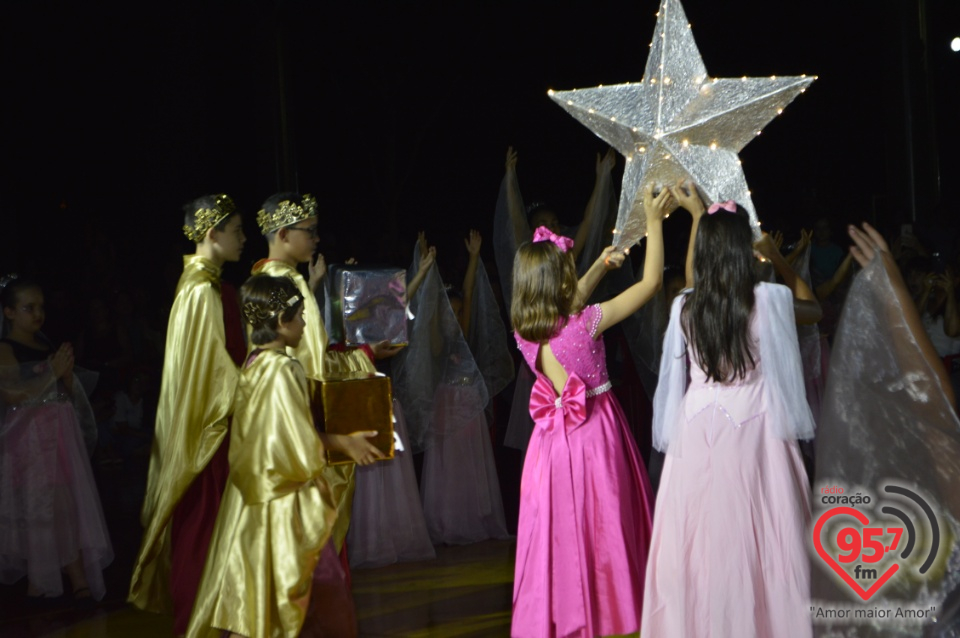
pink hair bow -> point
(545, 234)
(730, 206)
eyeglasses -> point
(312, 230)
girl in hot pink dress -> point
(729, 555)
(585, 499)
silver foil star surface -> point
(678, 123)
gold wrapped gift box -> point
(353, 405)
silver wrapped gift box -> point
(366, 305)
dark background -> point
(397, 117)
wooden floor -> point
(465, 591)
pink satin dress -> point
(585, 500)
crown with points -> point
(287, 213)
(257, 314)
(207, 218)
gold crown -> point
(207, 218)
(257, 314)
(287, 213)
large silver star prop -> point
(679, 123)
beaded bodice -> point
(575, 348)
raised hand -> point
(427, 259)
(867, 243)
(473, 243)
(612, 258)
(685, 192)
(657, 208)
(606, 164)
(317, 271)
(511, 163)
(767, 246)
(778, 239)
(422, 244)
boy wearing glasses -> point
(288, 221)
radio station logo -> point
(867, 543)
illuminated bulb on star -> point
(955, 44)
(713, 146)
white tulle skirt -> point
(387, 524)
(50, 513)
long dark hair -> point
(716, 317)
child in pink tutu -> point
(585, 500)
(50, 516)
(728, 555)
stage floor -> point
(466, 591)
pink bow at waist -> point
(552, 412)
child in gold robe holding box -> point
(277, 513)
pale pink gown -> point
(729, 556)
(585, 500)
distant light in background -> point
(955, 44)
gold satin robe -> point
(320, 364)
(276, 515)
(196, 398)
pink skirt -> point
(50, 513)
(387, 525)
(459, 486)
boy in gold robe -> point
(188, 462)
(288, 221)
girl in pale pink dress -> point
(585, 499)
(728, 555)
(51, 521)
